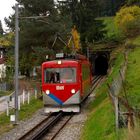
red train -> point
(65, 83)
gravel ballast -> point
(24, 126)
(72, 131)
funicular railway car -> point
(65, 83)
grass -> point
(100, 124)
(132, 85)
(136, 41)
(116, 65)
(26, 112)
(133, 78)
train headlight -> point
(59, 62)
(73, 91)
(47, 92)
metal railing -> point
(115, 88)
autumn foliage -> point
(128, 20)
(7, 40)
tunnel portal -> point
(99, 63)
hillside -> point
(133, 77)
(101, 121)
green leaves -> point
(38, 33)
(83, 15)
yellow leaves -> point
(127, 18)
(127, 15)
(76, 38)
(4, 42)
(7, 40)
(74, 41)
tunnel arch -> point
(101, 64)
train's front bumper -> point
(70, 105)
(70, 108)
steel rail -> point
(45, 129)
(95, 83)
(34, 128)
(54, 136)
(48, 127)
(96, 79)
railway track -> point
(48, 128)
(95, 83)
(96, 78)
(54, 122)
(58, 127)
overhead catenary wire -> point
(60, 38)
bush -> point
(113, 34)
(128, 20)
(129, 44)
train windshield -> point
(60, 75)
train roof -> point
(64, 61)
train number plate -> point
(59, 87)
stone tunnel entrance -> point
(100, 63)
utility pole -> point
(17, 53)
(16, 60)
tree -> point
(83, 15)
(118, 4)
(110, 7)
(1, 29)
(37, 34)
(6, 40)
(133, 2)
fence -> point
(25, 96)
(121, 117)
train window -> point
(60, 75)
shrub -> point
(128, 20)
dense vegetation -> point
(128, 19)
(38, 34)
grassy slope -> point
(100, 125)
(136, 41)
(132, 82)
(133, 77)
(101, 121)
